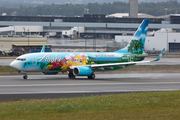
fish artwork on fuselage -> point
(85, 63)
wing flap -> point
(116, 64)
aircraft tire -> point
(92, 76)
(25, 77)
(71, 75)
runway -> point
(59, 86)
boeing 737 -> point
(85, 63)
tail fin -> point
(43, 48)
(136, 45)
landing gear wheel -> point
(92, 76)
(71, 75)
(25, 76)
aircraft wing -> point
(108, 65)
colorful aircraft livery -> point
(85, 63)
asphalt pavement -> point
(60, 86)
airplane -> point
(85, 63)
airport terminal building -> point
(96, 26)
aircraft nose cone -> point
(14, 65)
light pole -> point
(60, 11)
(94, 39)
(86, 11)
(28, 38)
(85, 43)
(166, 12)
(167, 39)
(24, 30)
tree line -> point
(156, 9)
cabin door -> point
(34, 60)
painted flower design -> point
(69, 60)
(70, 57)
(62, 62)
(66, 66)
(48, 67)
(84, 56)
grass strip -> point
(134, 106)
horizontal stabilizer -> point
(160, 55)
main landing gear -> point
(71, 75)
(92, 76)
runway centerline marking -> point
(148, 83)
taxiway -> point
(58, 86)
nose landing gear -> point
(25, 74)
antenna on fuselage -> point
(43, 48)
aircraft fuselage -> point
(59, 62)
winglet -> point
(43, 48)
(160, 55)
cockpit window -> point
(21, 59)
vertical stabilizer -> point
(136, 45)
(43, 48)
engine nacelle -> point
(82, 71)
(49, 73)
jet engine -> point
(82, 71)
(49, 73)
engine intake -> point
(82, 71)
